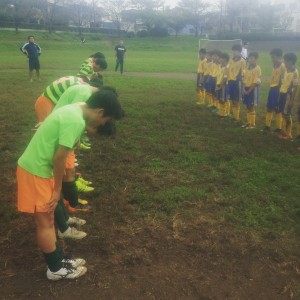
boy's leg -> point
(121, 66)
(298, 125)
(117, 65)
(252, 116)
(38, 74)
(269, 118)
(60, 217)
(30, 74)
(46, 240)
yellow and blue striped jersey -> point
(252, 76)
(236, 68)
(277, 75)
(290, 80)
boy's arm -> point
(294, 88)
(59, 163)
(256, 81)
(39, 49)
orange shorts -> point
(70, 162)
(43, 108)
(33, 192)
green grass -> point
(169, 154)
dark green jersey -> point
(58, 87)
(86, 71)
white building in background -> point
(290, 9)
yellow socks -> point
(298, 129)
(288, 126)
(222, 109)
(252, 118)
(228, 107)
(236, 112)
(279, 121)
(269, 117)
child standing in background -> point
(200, 76)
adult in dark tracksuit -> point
(120, 55)
(32, 51)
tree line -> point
(151, 17)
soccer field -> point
(185, 205)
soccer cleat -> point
(74, 262)
(266, 129)
(85, 182)
(66, 272)
(250, 127)
(277, 130)
(83, 202)
(72, 233)
(78, 208)
(83, 188)
(285, 136)
(84, 147)
(245, 126)
(75, 221)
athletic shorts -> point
(273, 98)
(34, 193)
(34, 64)
(234, 90)
(283, 105)
(248, 100)
(206, 83)
(70, 162)
(43, 108)
(222, 93)
(213, 84)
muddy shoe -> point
(83, 188)
(72, 233)
(67, 272)
(74, 262)
(75, 221)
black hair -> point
(253, 54)
(108, 101)
(97, 55)
(225, 56)
(108, 130)
(276, 52)
(202, 51)
(110, 88)
(290, 57)
(237, 47)
(101, 62)
(84, 78)
(96, 82)
(30, 36)
(216, 52)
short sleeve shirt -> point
(120, 51)
(62, 128)
(74, 94)
(252, 76)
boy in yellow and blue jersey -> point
(287, 94)
(222, 88)
(235, 71)
(251, 83)
(200, 76)
(278, 71)
(206, 77)
(215, 69)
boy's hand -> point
(290, 104)
(53, 201)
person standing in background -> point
(120, 51)
(32, 51)
(245, 51)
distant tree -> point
(114, 9)
(266, 17)
(176, 18)
(196, 10)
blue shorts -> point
(34, 64)
(283, 106)
(273, 98)
(213, 85)
(249, 99)
(206, 83)
(234, 90)
(222, 93)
